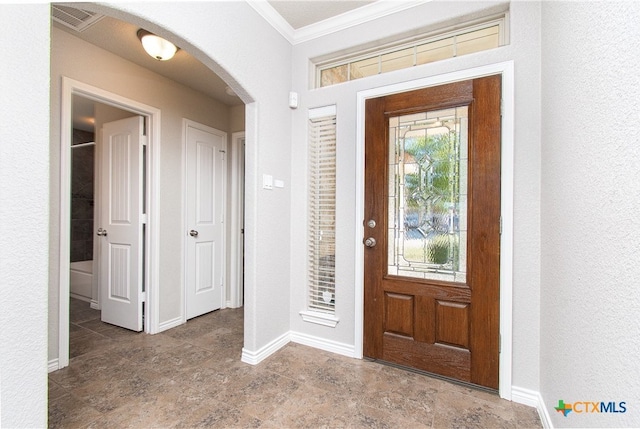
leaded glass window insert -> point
(428, 155)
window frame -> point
(500, 20)
(321, 216)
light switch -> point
(293, 100)
(267, 181)
(278, 183)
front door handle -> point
(101, 232)
(193, 233)
(370, 242)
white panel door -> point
(205, 196)
(120, 225)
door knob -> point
(101, 232)
(370, 242)
(193, 233)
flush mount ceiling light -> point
(156, 46)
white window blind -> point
(322, 210)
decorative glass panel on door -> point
(427, 234)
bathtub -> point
(81, 279)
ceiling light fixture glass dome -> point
(156, 46)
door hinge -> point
(500, 344)
(500, 225)
(143, 297)
(144, 140)
(144, 219)
(501, 107)
(224, 153)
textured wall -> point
(24, 156)
(590, 202)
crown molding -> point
(353, 17)
(345, 20)
(276, 20)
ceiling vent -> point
(77, 19)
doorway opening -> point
(88, 116)
(116, 105)
(87, 201)
(504, 69)
(432, 280)
(155, 320)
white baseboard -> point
(53, 365)
(532, 399)
(258, 356)
(79, 297)
(323, 344)
(170, 324)
(95, 304)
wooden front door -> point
(432, 229)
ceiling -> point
(302, 13)
(120, 38)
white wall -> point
(524, 50)
(24, 189)
(236, 119)
(590, 203)
(211, 31)
(82, 61)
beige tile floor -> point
(191, 376)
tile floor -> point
(191, 376)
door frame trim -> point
(69, 88)
(506, 69)
(186, 124)
(236, 220)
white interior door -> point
(121, 223)
(205, 205)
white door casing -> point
(121, 223)
(236, 234)
(71, 87)
(205, 196)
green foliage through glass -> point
(429, 196)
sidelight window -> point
(321, 210)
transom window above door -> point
(476, 36)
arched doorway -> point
(155, 321)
